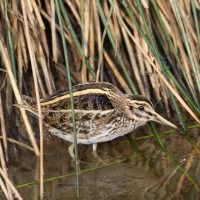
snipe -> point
(102, 113)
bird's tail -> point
(28, 104)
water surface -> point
(151, 175)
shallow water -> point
(133, 178)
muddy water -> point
(133, 178)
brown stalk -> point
(3, 187)
(7, 64)
(133, 61)
(91, 43)
(34, 70)
(116, 73)
(53, 32)
(3, 127)
(74, 11)
(110, 22)
(37, 13)
(4, 169)
(161, 76)
(188, 165)
(48, 18)
(20, 66)
(9, 183)
(18, 143)
(85, 20)
(23, 47)
(177, 40)
(97, 27)
(44, 68)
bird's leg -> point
(71, 151)
(94, 147)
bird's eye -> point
(141, 107)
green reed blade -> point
(110, 36)
(106, 26)
(10, 42)
(58, 6)
(184, 93)
(157, 55)
(187, 45)
(134, 146)
(196, 20)
(157, 137)
(173, 50)
(75, 39)
(182, 169)
(127, 75)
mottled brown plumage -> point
(102, 113)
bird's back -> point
(96, 112)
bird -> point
(102, 113)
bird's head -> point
(141, 108)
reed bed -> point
(144, 47)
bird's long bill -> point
(163, 121)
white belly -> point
(106, 133)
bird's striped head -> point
(142, 109)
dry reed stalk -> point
(91, 43)
(153, 79)
(117, 31)
(3, 127)
(116, 73)
(188, 165)
(135, 70)
(188, 28)
(12, 187)
(134, 9)
(2, 9)
(20, 66)
(151, 73)
(13, 20)
(53, 31)
(97, 26)
(173, 30)
(144, 68)
(3, 187)
(47, 6)
(141, 78)
(186, 65)
(18, 143)
(66, 34)
(197, 4)
(140, 69)
(77, 4)
(188, 24)
(165, 97)
(44, 68)
(3, 80)
(74, 11)
(110, 21)
(34, 70)
(37, 13)
(44, 43)
(38, 74)
(85, 36)
(162, 88)
(23, 48)
(4, 169)
(6, 61)
(192, 39)
(162, 78)
(87, 15)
